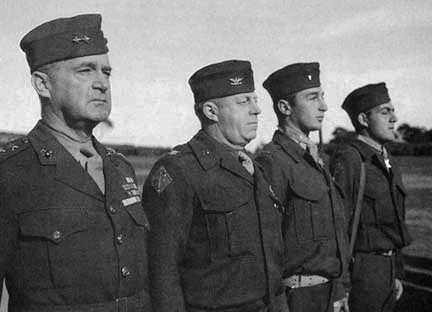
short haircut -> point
(198, 108)
(354, 120)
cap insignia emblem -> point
(236, 81)
(84, 39)
(309, 77)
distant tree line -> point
(410, 141)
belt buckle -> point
(388, 253)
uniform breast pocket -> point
(53, 246)
(312, 212)
(231, 229)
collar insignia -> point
(236, 81)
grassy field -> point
(417, 175)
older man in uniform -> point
(377, 260)
(314, 226)
(215, 243)
(72, 228)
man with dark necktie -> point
(72, 229)
(381, 232)
(314, 226)
(215, 243)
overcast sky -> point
(156, 45)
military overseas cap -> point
(63, 39)
(365, 98)
(292, 79)
(222, 79)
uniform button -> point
(120, 239)
(56, 235)
(112, 210)
(125, 271)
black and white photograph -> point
(215, 156)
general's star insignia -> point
(236, 81)
(160, 180)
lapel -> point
(211, 153)
(68, 171)
(114, 178)
(368, 152)
(294, 150)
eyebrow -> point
(93, 66)
(387, 108)
(314, 93)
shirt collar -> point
(293, 135)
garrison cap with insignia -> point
(364, 98)
(292, 79)
(63, 39)
(222, 79)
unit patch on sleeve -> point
(161, 179)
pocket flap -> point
(52, 224)
(223, 198)
(308, 188)
(137, 213)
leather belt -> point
(385, 253)
(297, 281)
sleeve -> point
(8, 239)
(339, 288)
(168, 202)
(345, 169)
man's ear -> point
(363, 120)
(41, 83)
(211, 110)
(284, 107)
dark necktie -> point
(93, 164)
(246, 161)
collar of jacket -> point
(367, 152)
(288, 145)
(49, 149)
(208, 151)
(375, 145)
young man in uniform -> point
(381, 231)
(72, 229)
(314, 226)
(215, 243)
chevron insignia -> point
(236, 81)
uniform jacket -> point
(215, 243)
(63, 243)
(314, 226)
(381, 226)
